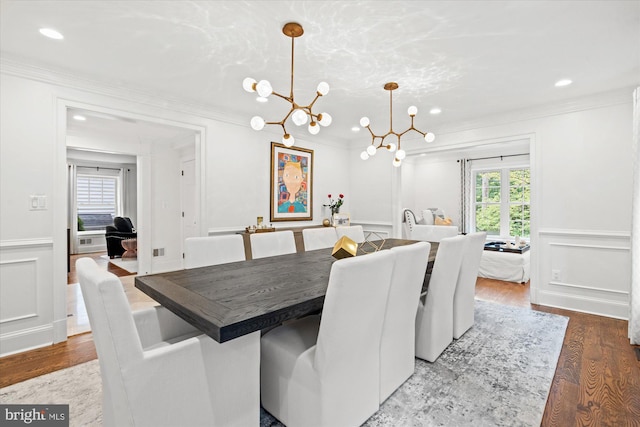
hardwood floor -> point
(101, 259)
(77, 319)
(597, 380)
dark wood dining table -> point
(227, 301)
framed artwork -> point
(340, 220)
(291, 183)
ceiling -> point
(469, 58)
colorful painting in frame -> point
(291, 183)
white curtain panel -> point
(72, 220)
(465, 195)
(634, 318)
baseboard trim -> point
(26, 339)
(596, 306)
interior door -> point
(188, 200)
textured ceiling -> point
(470, 58)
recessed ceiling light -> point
(51, 33)
(79, 118)
(435, 110)
(563, 82)
(355, 129)
(262, 99)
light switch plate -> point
(37, 202)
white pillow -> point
(427, 217)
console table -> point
(297, 235)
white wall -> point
(581, 197)
(234, 168)
(372, 183)
(166, 209)
(433, 182)
(238, 185)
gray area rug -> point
(498, 374)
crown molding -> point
(590, 102)
(11, 66)
(67, 79)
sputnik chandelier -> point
(392, 147)
(299, 114)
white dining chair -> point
(325, 370)
(272, 244)
(354, 232)
(213, 250)
(397, 348)
(434, 321)
(157, 370)
(464, 297)
(319, 238)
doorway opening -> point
(483, 186)
(124, 164)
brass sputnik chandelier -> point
(299, 114)
(392, 147)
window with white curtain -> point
(502, 201)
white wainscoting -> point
(378, 230)
(26, 306)
(585, 270)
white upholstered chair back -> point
(213, 250)
(324, 371)
(463, 300)
(434, 322)
(397, 348)
(354, 232)
(319, 238)
(158, 370)
(272, 244)
(114, 335)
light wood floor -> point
(597, 381)
(77, 319)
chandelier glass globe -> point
(299, 117)
(257, 123)
(288, 140)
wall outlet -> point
(555, 275)
(158, 252)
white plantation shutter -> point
(97, 194)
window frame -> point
(111, 174)
(505, 201)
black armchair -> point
(121, 229)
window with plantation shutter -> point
(97, 200)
